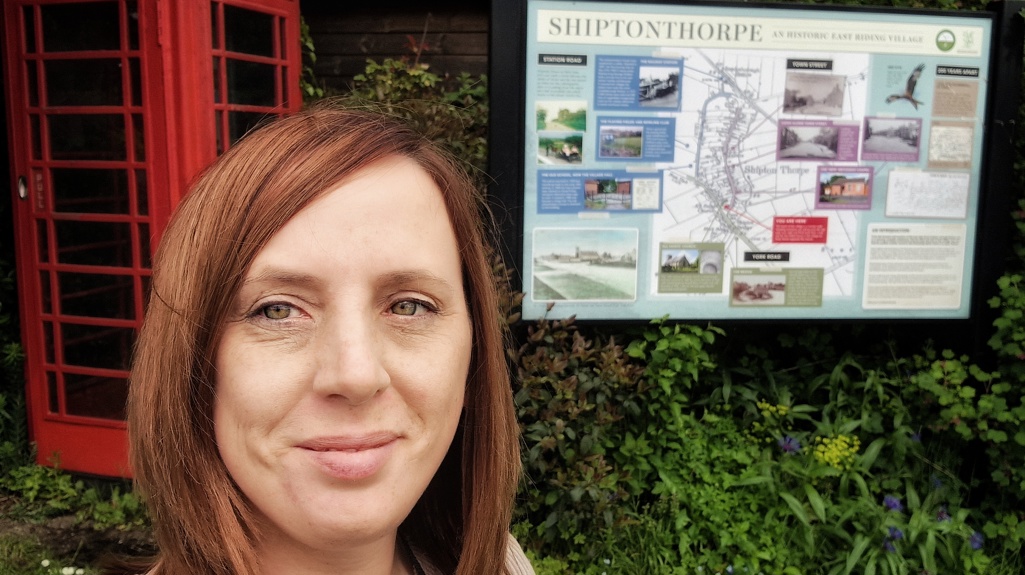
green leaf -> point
(870, 568)
(817, 505)
(996, 436)
(872, 453)
(1020, 437)
(860, 544)
(797, 508)
(756, 480)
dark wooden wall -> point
(346, 34)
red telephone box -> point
(113, 106)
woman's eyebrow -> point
(279, 276)
(418, 277)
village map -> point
(729, 186)
(741, 162)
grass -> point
(22, 553)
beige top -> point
(516, 563)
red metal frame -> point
(179, 140)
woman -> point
(320, 385)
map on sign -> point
(738, 162)
(727, 185)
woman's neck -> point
(377, 557)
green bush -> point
(450, 111)
(796, 460)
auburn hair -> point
(202, 522)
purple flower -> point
(916, 437)
(892, 503)
(942, 514)
(935, 481)
(896, 534)
(789, 445)
(888, 546)
(976, 540)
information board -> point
(736, 161)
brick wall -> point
(347, 34)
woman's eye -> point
(276, 311)
(408, 307)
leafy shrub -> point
(571, 393)
(450, 111)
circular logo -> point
(945, 40)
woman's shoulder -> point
(516, 563)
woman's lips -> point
(351, 458)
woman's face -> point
(341, 369)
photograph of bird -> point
(909, 91)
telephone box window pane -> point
(48, 346)
(90, 191)
(44, 241)
(29, 14)
(44, 292)
(53, 402)
(220, 132)
(217, 80)
(250, 83)
(139, 137)
(94, 243)
(95, 396)
(215, 26)
(84, 82)
(87, 137)
(96, 295)
(241, 122)
(248, 32)
(133, 25)
(144, 246)
(135, 81)
(36, 137)
(142, 193)
(82, 26)
(32, 83)
(97, 346)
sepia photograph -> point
(584, 264)
(759, 289)
(813, 94)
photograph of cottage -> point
(680, 261)
(813, 94)
(840, 188)
(590, 264)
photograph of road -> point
(811, 142)
(897, 137)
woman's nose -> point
(349, 361)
